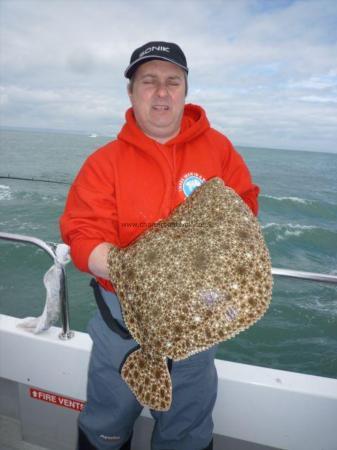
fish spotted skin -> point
(192, 280)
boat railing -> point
(49, 248)
(66, 333)
(300, 274)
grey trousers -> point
(112, 409)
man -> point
(164, 150)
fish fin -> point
(149, 379)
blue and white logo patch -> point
(189, 182)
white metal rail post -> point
(311, 276)
(63, 293)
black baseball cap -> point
(166, 51)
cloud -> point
(265, 72)
(316, 98)
(81, 61)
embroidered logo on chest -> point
(189, 182)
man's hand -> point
(98, 260)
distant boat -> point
(93, 135)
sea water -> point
(298, 213)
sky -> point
(264, 70)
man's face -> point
(158, 99)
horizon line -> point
(94, 135)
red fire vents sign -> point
(56, 399)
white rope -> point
(51, 280)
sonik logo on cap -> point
(166, 51)
(152, 49)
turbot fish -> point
(190, 281)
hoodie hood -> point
(193, 124)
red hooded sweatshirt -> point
(134, 181)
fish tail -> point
(149, 379)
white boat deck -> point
(257, 408)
